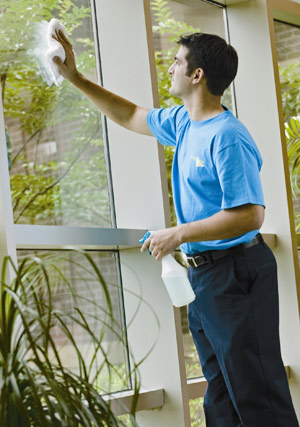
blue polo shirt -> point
(216, 166)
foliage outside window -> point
(287, 45)
(290, 95)
(197, 413)
(54, 134)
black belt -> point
(206, 257)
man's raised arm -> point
(116, 108)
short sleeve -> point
(164, 123)
(238, 167)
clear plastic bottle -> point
(175, 279)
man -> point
(220, 208)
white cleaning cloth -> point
(43, 49)
(55, 49)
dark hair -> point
(215, 56)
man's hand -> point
(162, 242)
(68, 68)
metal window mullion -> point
(232, 86)
(123, 316)
(7, 243)
(103, 118)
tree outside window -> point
(54, 134)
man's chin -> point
(171, 91)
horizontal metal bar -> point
(121, 402)
(55, 236)
(47, 236)
(229, 2)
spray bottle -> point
(175, 279)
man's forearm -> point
(120, 110)
(225, 224)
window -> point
(288, 53)
(55, 136)
(60, 178)
(71, 272)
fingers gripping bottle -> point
(175, 279)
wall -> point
(287, 42)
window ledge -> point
(148, 399)
(48, 236)
(228, 2)
(196, 387)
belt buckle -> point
(194, 262)
(203, 258)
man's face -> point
(181, 83)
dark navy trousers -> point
(234, 321)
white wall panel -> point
(134, 158)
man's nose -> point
(170, 70)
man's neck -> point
(203, 107)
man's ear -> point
(198, 75)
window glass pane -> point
(288, 53)
(78, 295)
(170, 20)
(197, 413)
(192, 364)
(54, 134)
